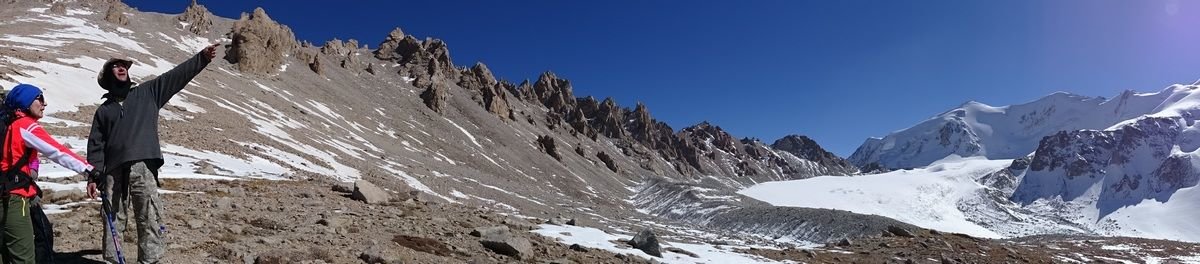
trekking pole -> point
(112, 229)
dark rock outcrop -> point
(486, 90)
(315, 65)
(805, 148)
(430, 57)
(116, 14)
(1131, 163)
(197, 17)
(546, 143)
(646, 241)
(435, 94)
(388, 49)
(259, 43)
(808, 149)
(553, 92)
(608, 161)
(58, 8)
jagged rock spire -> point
(259, 43)
(198, 18)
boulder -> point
(63, 196)
(379, 254)
(315, 65)
(203, 167)
(577, 247)
(367, 192)
(845, 242)
(900, 232)
(502, 241)
(343, 187)
(646, 241)
(546, 143)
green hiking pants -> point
(134, 186)
(18, 231)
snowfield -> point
(926, 197)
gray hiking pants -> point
(137, 186)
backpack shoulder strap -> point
(14, 178)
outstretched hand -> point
(211, 51)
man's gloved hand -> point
(93, 177)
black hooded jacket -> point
(124, 131)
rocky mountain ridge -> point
(409, 120)
(403, 112)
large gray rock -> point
(345, 187)
(546, 143)
(63, 196)
(379, 254)
(203, 167)
(647, 241)
(500, 240)
(277, 256)
(367, 192)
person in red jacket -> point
(23, 142)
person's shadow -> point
(77, 257)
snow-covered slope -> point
(1138, 177)
(926, 197)
(1135, 173)
(1008, 132)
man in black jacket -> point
(124, 148)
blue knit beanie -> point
(22, 96)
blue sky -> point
(836, 71)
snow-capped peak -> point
(1007, 132)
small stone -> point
(577, 247)
(224, 203)
(809, 253)
(898, 231)
(195, 223)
